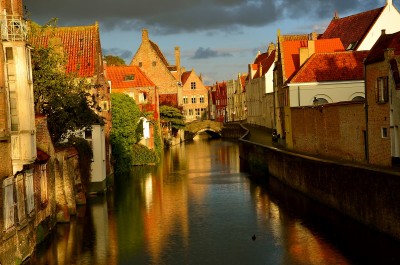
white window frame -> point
(29, 192)
(43, 183)
(8, 205)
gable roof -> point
(117, 75)
(291, 51)
(385, 41)
(185, 76)
(335, 66)
(81, 46)
(265, 61)
(352, 29)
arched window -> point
(358, 98)
(319, 101)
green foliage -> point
(114, 60)
(172, 115)
(62, 97)
(143, 155)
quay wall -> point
(369, 195)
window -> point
(30, 204)
(88, 134)
(201, 99)
(193, 85)
(8, 207)
(197, 112)
(382, 89)
(104, 106)
(140, 64)
(193, 99)
(185, 100)
(130, 77)
(19, 183)
(190, 112)
(384, 132)
(28, 64)
(154, 63)
(12, 87)
(142, 98)
(43, 184)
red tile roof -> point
(118, 74)
(291, 50)
(336, 66)
(352, 29)
(185, 76)
(377, 52)
(266, 62)
(81, 46)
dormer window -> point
(193, 85)
(140, 64)
(352, 45)
(129, 77)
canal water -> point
(198, 207)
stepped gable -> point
(118, 77)
(266, 62)
(80, 44)
(334, 66)
(352, 29)
(291, 51)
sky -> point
(217, 38)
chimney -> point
(178, 58)
(389, 2)
(336, 15)
(145, 35)
(383, 32)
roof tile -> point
(352, 29)
(335, 66)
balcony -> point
(13, 28)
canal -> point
(197, 207)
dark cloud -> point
(175, 16)
(124, 54)
(205, 53)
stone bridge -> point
(213, 128)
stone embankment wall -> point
(367, 194)
(232, 131)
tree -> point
(172, 116)
(114, 60)
(63, 97)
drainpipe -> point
(366, 114)
(298, 95)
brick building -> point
(383, 96)
(194, 96)
(221, 101)
(132, 81)
(82, 49)
(166, 77)
(259, 89)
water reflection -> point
(198, 208)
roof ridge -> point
(361, 13)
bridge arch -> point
(193, 128)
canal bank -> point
(367, 194)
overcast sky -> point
(217, 38)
